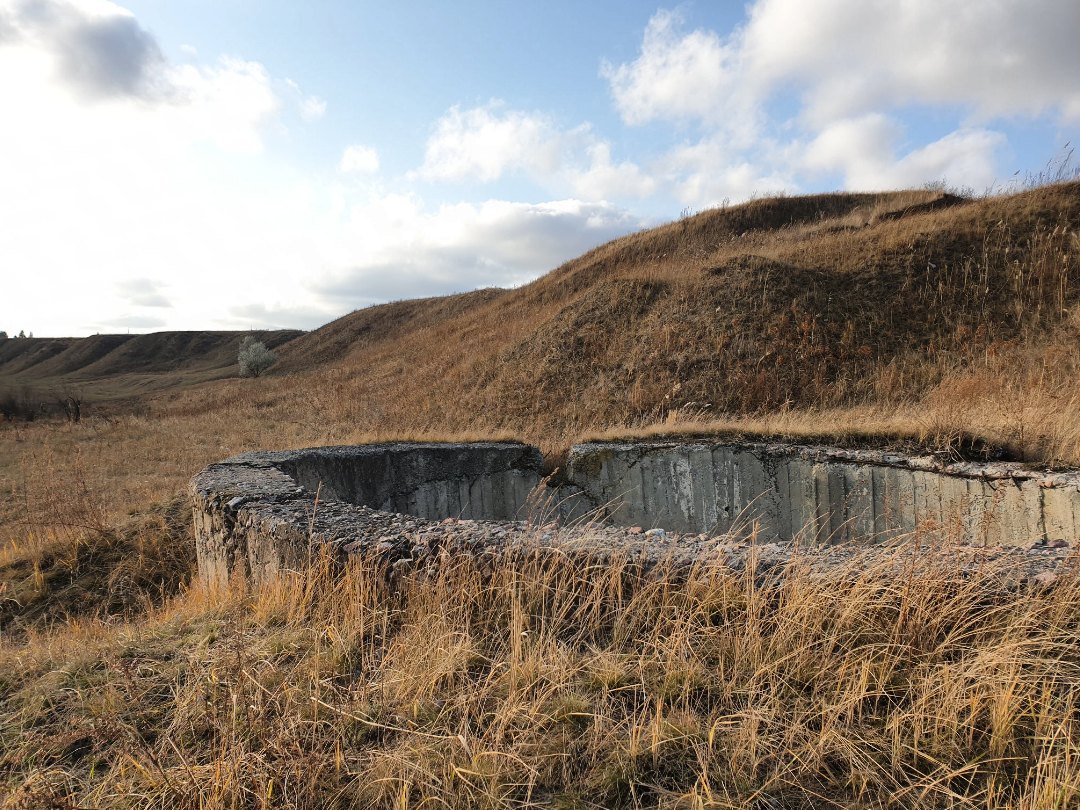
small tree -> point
(3, 335)
(254, 357)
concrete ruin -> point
(261, 513)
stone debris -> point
(428, 542)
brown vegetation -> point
(891, 317)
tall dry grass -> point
(550, 684)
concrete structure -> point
(260, 513)
(822, 494)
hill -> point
(917, 312)
(812, 303)
(108, 367)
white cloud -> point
(483, 143)
(864, 149)
(359, 159)
(228, 103)
(599, 178)
(99, 49)
(676, 76)
(312, 108)
(710, 172)
(1011, 57)
(126, 184)
(812, 86)
(143, 292)
(489, 142)
(173, 212)
(852, 57)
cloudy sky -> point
(235, 164)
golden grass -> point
(559, 685)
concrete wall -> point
(479, 480)
(261, 513)
(821, 494)
(256, 514)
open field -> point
(909, 317)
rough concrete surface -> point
(756, 504)
(823, 494)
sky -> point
(251, 164)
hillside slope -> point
(807, 302)
(112, 366)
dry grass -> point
(556, 685)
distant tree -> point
(3, 335)
(22, 334)
(254, 357)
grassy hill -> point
(109, 367)
(912, 316)
(917, 312)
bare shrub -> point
(254, 357)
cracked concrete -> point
(261, 513)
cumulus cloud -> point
(99, 52)
(994, 59)
(676, 76)
(143, 292)
(812, 86)
(712, 171)
(488, 142)
(864, 149)
(852, 57)
(359, 159)
(483, 143)
(413, 252)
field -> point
(912, 318)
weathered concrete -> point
(822, 494)
(261, 513)
(255, 514)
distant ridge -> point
(124, 365)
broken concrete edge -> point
(254, 519)
(817, 453)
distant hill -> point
(118, 366)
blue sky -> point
(236, 164)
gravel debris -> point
(407, 543)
